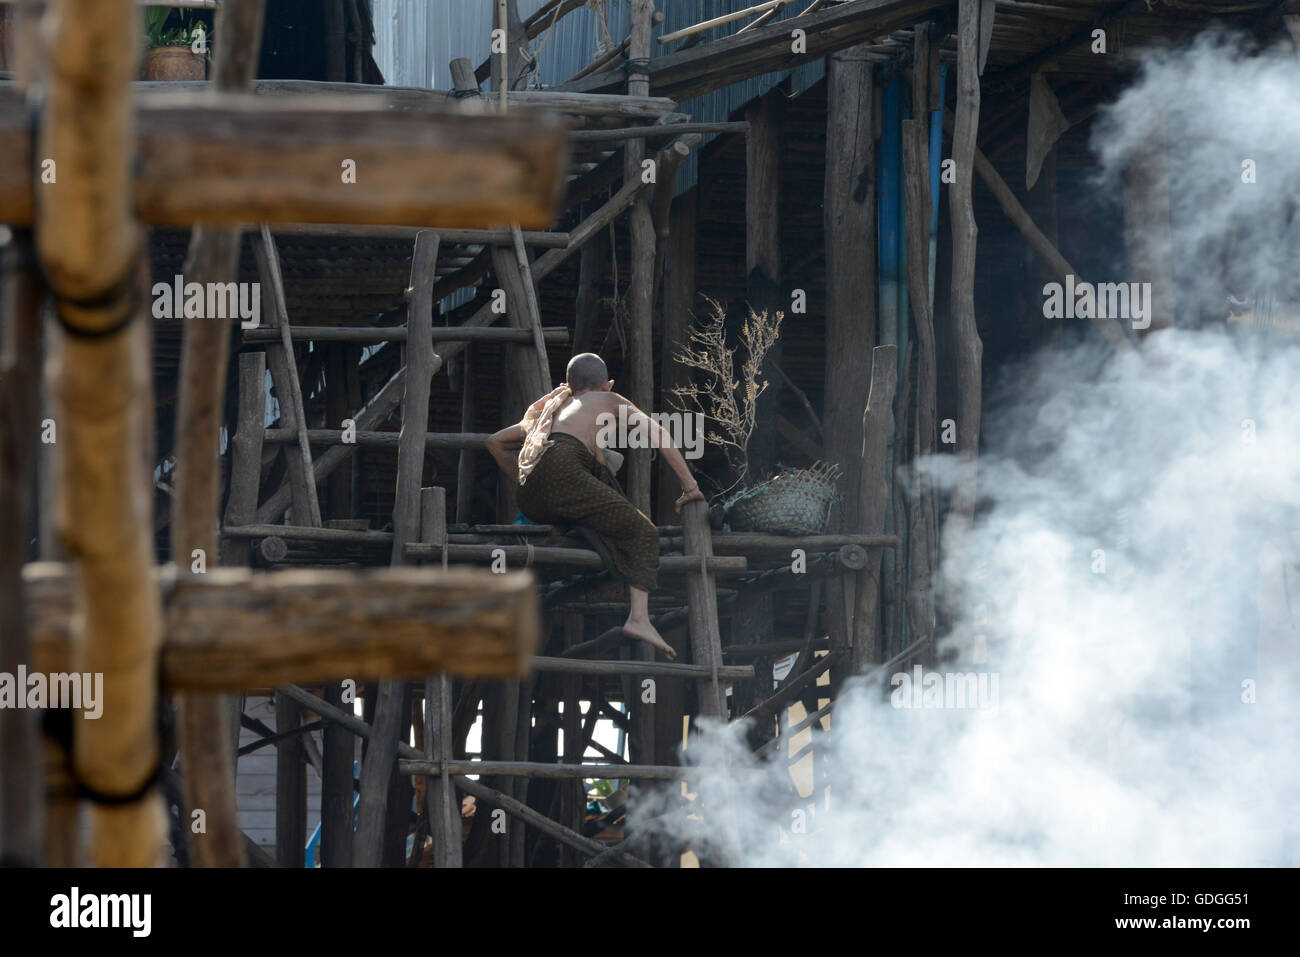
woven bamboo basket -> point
(793, 502)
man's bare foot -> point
(641, 628)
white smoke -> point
(1133, 565)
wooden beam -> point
(233, 629)
(235, 159)
(450, 237)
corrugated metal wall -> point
(417, 39)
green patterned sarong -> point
(569, 487)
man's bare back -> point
(581, 415)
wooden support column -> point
(678, 302)
(873, 496)
(924, 538)
(754, 620)
(968, 347)
(591, 262)
(22, 785)
(638, 360)
(702, 598)
(336, 795)
(391, 708)
(440, 796)
(246, 455)
(290, 786)
(849, 206)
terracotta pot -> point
(174, 63)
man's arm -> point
(504, 446)
(664, 442)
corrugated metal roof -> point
(416, 40)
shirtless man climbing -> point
(563, 479)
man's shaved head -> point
(586, 371)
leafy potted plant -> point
(177, 45)
(792, 502)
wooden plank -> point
(236, 159)
(232, 628)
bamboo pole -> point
(90, 250)
(766, 7)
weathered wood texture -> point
(234, 159)
(968, 348)
(253, 630)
